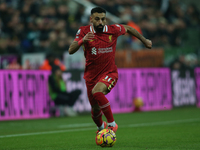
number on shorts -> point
(107, 78)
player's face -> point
(98, 20)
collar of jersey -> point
(105, 28)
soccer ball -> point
(138, 102)
(106, 138)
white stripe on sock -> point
(112, 124)
(106, 105)
(101, 127)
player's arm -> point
(77, 44)
(133, 32)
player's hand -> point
(89, 36)
(148, 43)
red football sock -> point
(104, 104)
(97, 118)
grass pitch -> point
(177, 129)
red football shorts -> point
(109, 80)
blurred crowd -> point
(162, 21)
(37, 26)
(48, 26)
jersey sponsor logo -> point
(78, 32)
(105, 50)
(110, 38)
(101, 50)
(94, 51)
(77, 37)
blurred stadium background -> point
(163, 83)
(166, 76)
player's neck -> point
(94, 31)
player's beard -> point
(99, 28)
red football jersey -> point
(100, 51)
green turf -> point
(178, 129)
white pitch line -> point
(163, 123)
(88, 124)
(76, 125)
(48, 132)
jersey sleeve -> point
(119, 29)
(79, 34)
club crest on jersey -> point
(110, 38)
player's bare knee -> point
(104, 91)
(94, 90)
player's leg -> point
(96, 112)
(97, 117)
(99, 91)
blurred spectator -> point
(51, 61)
(27, 65)
(29, 26)
(192, 16)
(59, 94)
(14, 65)
(63, 12)
(3, 46)
(189, 61)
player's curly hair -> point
(98, 10)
